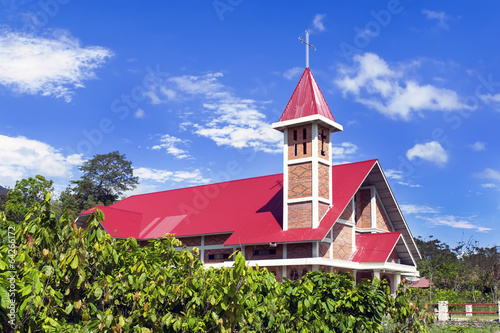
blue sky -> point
(188, 90)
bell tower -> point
(307, 124)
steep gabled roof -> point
(251, 209)
(306, 100)
(375, 247)
(377, 178)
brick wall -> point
(323, 181)
(299, 250)
(300, 180)
(299, 142)
(347, 213)
(216, 239)
(363, 209)
(326, 140)
(250, 252)
(191, 241)
(323, 208)
(300, 215)
(342, 241)
(324, 249)
(383, 221)
(227, 252)
(297, 271)
(324, 268)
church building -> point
(313, 216)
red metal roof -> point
(306, 100)
(423, 282)
(375, 247)
(251, 209)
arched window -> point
(304, 271)
(294, 275)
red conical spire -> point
(306, 100)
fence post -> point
(468, 310)
(443, 311)
(499, 311)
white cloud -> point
(417, 209)
(163, 176)
(394, 174)
(139, 113)
(292, 72)
(477, 146)
(21, 157)
(227, 119)
(489, 185)
(489, 174)
(493, 100)
(52, 65)
(397, 175)
(344, 151)
(391, 92)
(441, 17)
(430, 151)
(409, 184)
(454, 222)
(318, 22)
(169, 143)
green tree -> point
(438, 263)
(105, 178)
(3, 197)
(68, 279)
(25, 194)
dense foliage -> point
(468, 273)
(105, 178)
(67, 279)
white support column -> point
(243, 252)
(202, 249)
(468, 310)
(443, 311)
(315, 176)
(285, 251)
(283, 273)
(354, 273)
(285, 179)
(373, 204)
(397, 281)
(315, 268)
(376, 273)
(330, 196)
(315, 250)
(331, 247)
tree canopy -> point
(105, 178)
(25, 194)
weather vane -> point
(307, 47)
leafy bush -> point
(69, 279)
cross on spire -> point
(307, 47)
